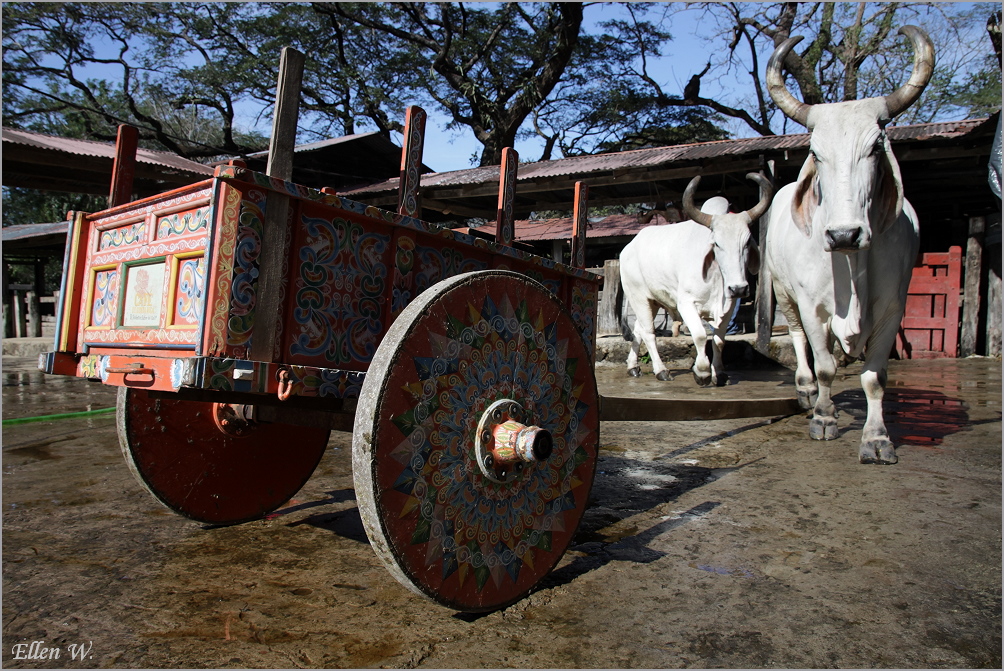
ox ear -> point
(887, 204)
(806, 198)
(710, 264)
(753, 257)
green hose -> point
(60, 415)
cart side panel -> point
(144, 275)
(338, 285)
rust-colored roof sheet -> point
(27, 231)
(656, 156)
(101, 149)
(615, 225)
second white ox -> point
(696, 269)
(841, 243)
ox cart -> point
(244, 317)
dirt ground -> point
(737, 543)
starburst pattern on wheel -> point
(462, 531)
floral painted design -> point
(338, 291)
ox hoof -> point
(807, 400)
(877, 452)
(721, 380)
(823, 428)
(634, 372)
(663, 376)
(702, 381)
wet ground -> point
(735, 543)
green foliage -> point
(30, 206)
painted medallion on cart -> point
(106, 292)
(338, 291)
(191, 294)
(464, 539)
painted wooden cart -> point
(464, 365)
(244, 317)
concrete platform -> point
(27, 347)
(679, 352)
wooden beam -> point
(579, 223)
(617, 409)
(285, 115)
(606, 318)
(971, 290)
(264, 339)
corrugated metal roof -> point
(615, 225)
(656, 156)
(27, 231)
(101, 149)
(314, 146)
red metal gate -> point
(930, 327)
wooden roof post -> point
(505, 225)
(409, 201)
(264, 340)
(124, 167)
(971, 288)
(579, 223)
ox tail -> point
(627, 330)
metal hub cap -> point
(504, 446)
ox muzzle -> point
(846, 239)
(739, 290)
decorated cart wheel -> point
(209, 461)
(475, 440)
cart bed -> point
(162, 293)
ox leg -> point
(702, 367)
(806, 388)
(634, 370)
(823, 425)
(718, 375)
(876, 447)
(644, 330)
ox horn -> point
(757, 210)
(923, 66)
(703, 218)
(793, 108)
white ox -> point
(841, 242)
(696, 269)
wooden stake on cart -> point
(409, 201)
(280, 166)
(124, 167)
(505, 226)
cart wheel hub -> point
(505, 446)
(233, 419)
